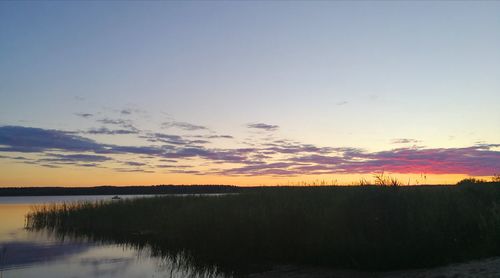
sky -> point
(248, 93)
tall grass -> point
(369, 227)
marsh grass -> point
(368, 227)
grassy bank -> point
(373, 228)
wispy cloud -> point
(165, 138)
(126, 111)
(273, 169)
(144, 150)
(107, 131)
(173, 139)
(130, 111)
(404, 141)
(125, 124)
(49, 165)
(340, 103)
(191, 172)
(285, 147)
(134, 163)
(213, 136)
(183, 126)
(84, 115)
(173, 166)
(134, 170)
(14, 157)
(80, 160)
(263, 126)
(78, 157)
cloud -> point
(173, 139)
(26, 139)
(107, 131)
(278, 168)
(49, 166)
(166, 138)
(293, 148)
(476, 160)
(173, 166)
(147, 150)
(84, 115)
(14, 157)
(113, 121)
(201, 142)
(275, 157)
(168, 160)
(130, 111)
(320, 159)
(213, 136)
(214, 155)
(30, 139)
(83, 160)
(340, 103)
(134, 163)
(125, 124)
(127, 170)
(263, 126)
(126, 111)
(192, 172)
(220, 136)
(404, 141)
(89, 165)
(183, 126)
(78, 157)
(187, 152)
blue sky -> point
(332, 74)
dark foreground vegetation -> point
(118, 190)
(364, 227)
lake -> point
(40, 254)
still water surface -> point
(39, 254)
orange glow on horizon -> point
(30, 175)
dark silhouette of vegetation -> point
(383, 180)
(471, 181)
(118, 190)
(368, 227)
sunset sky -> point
(248, 93)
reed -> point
(361, 227)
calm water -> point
(39, 254)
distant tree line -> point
(380, 180)
(118, 190)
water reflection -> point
(18, 254)
(44, 254)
